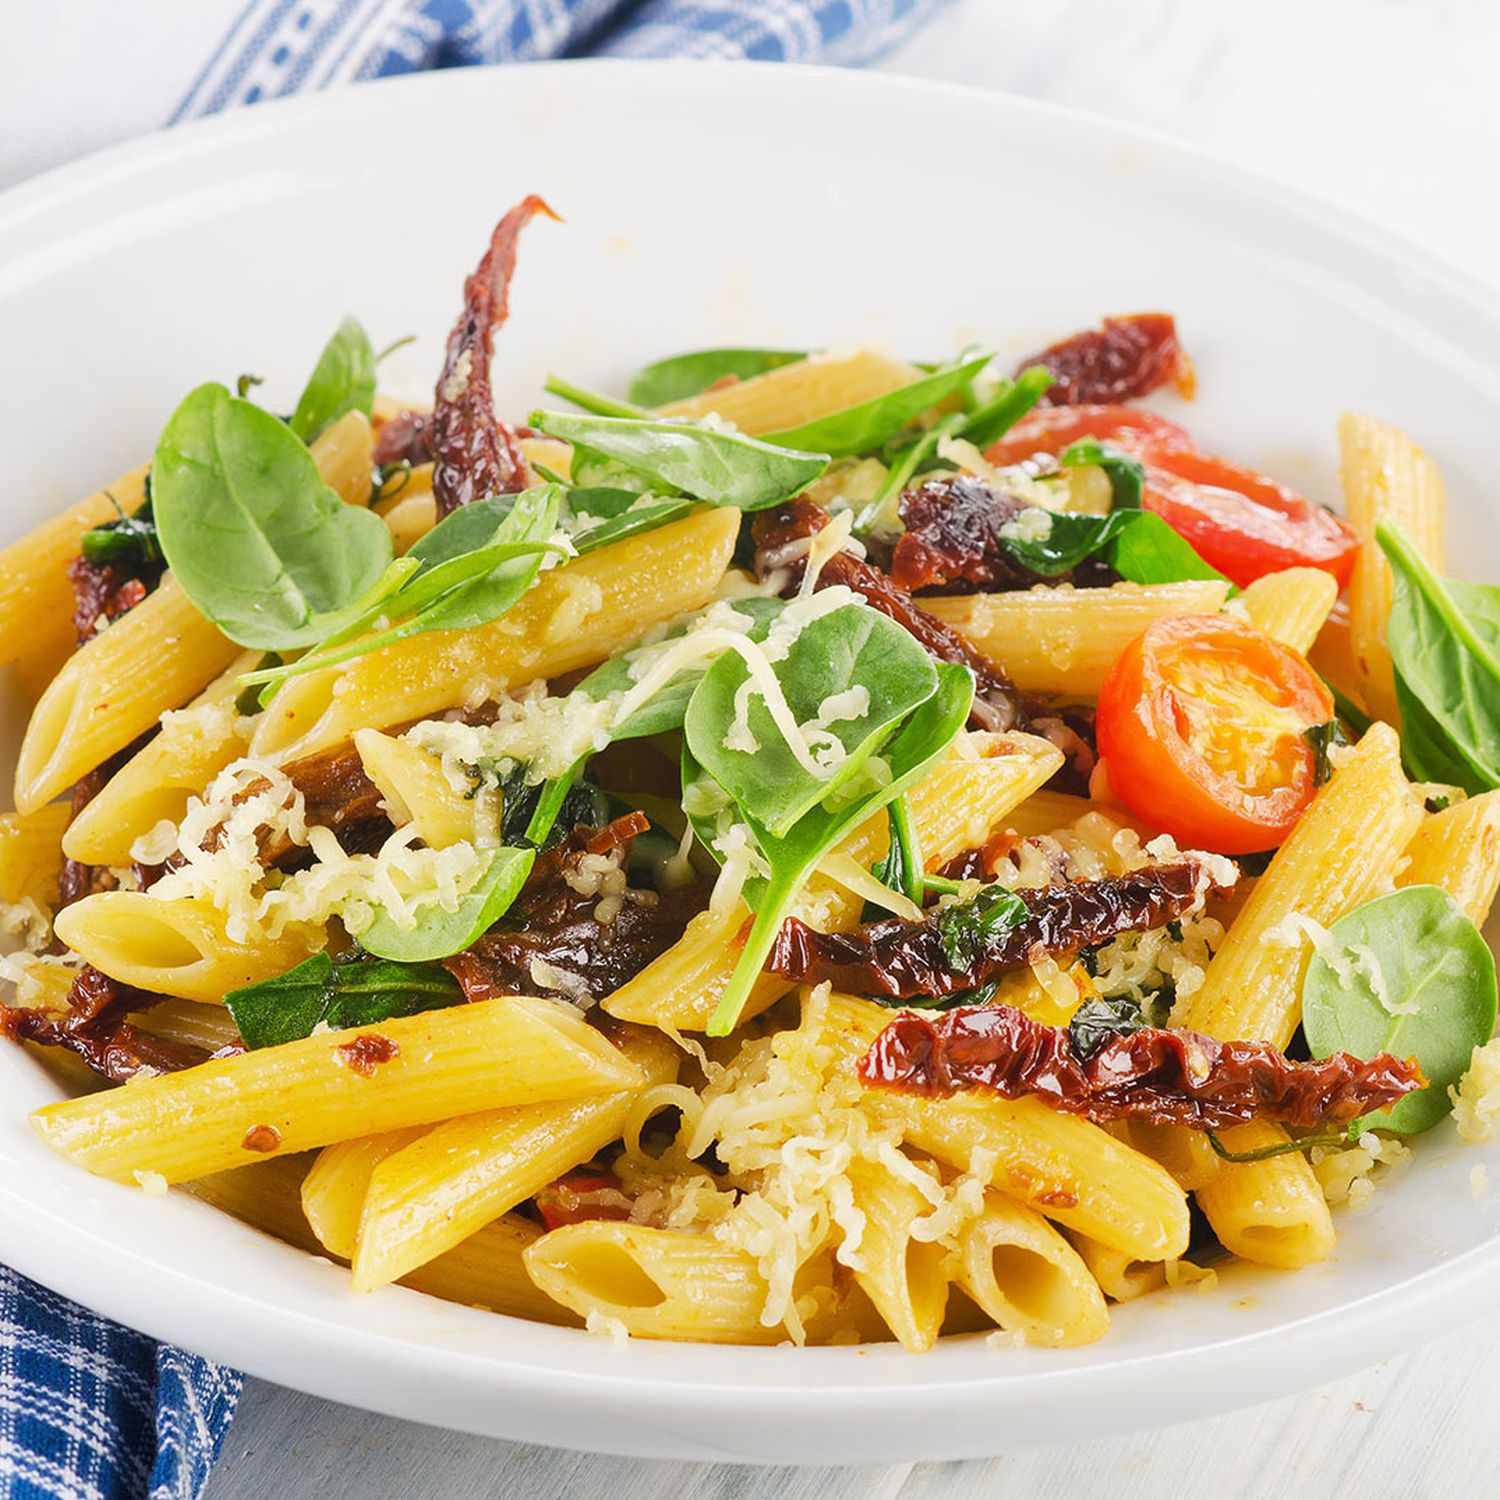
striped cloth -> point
(90, 1410)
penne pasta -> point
(334, 1190)
(344, 454)
(905, 1278)
(1291, 606)
(1385, 476)
(1118, 1276)
(572, 617)
(416, 790)
(1459, 850)
(30, 857)
(1026, 1277)
(1063, 640)
(411, 1071)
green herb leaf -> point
(1322, 738)
(916, 744)
(723, 468)
(257, 541)
(343, 380)
(901, 869)
(128, 541)
(1137, 544)
(617, 514)
(685, 375)
(871, 424)
(1127, 475)
(851, 652)
(1444, 638)
(964, 928)
(1416, 954)
(294, 1004)
(990, 422)
(439, 933)
(594, 401)
(1099, 1020)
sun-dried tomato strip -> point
(1164, 1076)
(474, 454)
(1127, 357)
(898, 960)
(954, 537)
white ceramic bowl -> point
(710, 204)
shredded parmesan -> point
(1476, 1100)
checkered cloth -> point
(90, 1410)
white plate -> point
(714, 205)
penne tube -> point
(114, 688)
(1345, 848)
(572, 617)
(265, 1196)
(416, 790)
(1046, 811)
(334, 1190)
(1271, 1212)
(409, 1071)
(36, 596)
(488, 1270)
(175, 947)
(1025, 1276)
(1064, 1166)
(1385, 476)
(208, 1026)
(1061, 640)
(794, 394)
(155, 784)
(1331, 655)
(681, 988)
(344, 453)
(905, 1278)
(655, 1283)
(1186, 1154)
(1459, 850)
(1120, 1278)
(451, 1181)
(41, 982)
(409, 518)
(1291, 606)
(31, 856)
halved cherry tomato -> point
(1050, 429)
(1201, 725)
(576, 1196)
(1243, 523)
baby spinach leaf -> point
(594, 401)
(294, 1004)
(880, 514)
(1137, 544)
(128, 541)
(964, 928)
(685, 375)
(1100, 1019)
(723, 468)
(1410, 974)
(618, 513)
(1126, 475)
(901, 869)
(1444, 639)
(439, 933)
(872, 423)
(343, 380)
(846, 679)
(989, 423)
(916, 744)
(257, 541)
(1322, 738)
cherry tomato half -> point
(1049, 429)
(1201, 725)
(1243, 523)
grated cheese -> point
(1347, 1173)
(1476, 1100)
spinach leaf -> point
(965, 927)
(1410, 974)
(1127, 475)
(129, 541)
(438, 933)
(1137, 544)
(849, 676)
(343, 380)
(1322, 738)
(541, 813)
(294, 1004)
(685, 375)
(880, 514)
(901, 869)
(1098, 1021)
(989, 423)
(617, 514)
(594, 401)
(258, 542)
(1444, 639)
(872, 423)
(916, 744)
(723, 468)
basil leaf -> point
(853, 651)
(257, 541)
(990, 422)
(964, 928)
(685, 375)
(293, 1005)
(1409, 974)
(723, 468)
(439, 933)
(872, 423)
(1444, 639)
(343, 380)
(1098, 1021)
(916, 744)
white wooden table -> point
(1387, 106)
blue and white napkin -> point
(90, 1410)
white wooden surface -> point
(1387, 106)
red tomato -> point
(1049, 429)
(571, 1199)
(1241, 522)
(1201, 726)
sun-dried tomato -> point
(1167, 1077)
(1127, 357)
